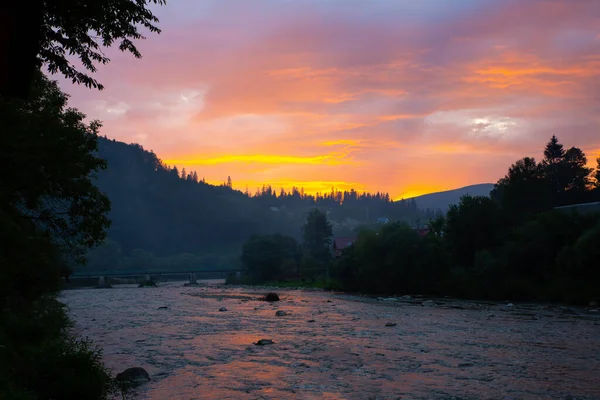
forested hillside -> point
(165, 217)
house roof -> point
(422, 231)
(342, 242)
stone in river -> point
(280, 313)
(264, 342)
(222, 309)
(391, 324)
(271, 297)
(429, 303)
(133, 376)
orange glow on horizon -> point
(329, 159)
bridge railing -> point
(115, 273)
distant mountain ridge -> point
(443, 200)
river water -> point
(335, 346)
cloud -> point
(329, 159)
(411, 96)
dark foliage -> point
(47, 32)
(394, 260)
(316, 234)
(270, 257)
(474, 224)
(41, 360)
(163, 218)
(49, 213)
(514, 245)
(38, 137)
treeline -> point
(110, 257)
(171, 214)
(276, 257)
(514, 245)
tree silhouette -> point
(269, 257)
(523, 190)
(475, 223)
(316, 233)
(50, 152)
(47, 32)
(597, 173)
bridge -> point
(105, 278)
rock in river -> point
(222, 309)
(429, 303)
(271, 297)
(264, 342)
(280, 313)
(133, 376)
(391, 324)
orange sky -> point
(399, 96)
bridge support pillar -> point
(103, 283)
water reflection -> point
(194, 351)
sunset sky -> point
(401, 96)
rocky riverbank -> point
(337, 346)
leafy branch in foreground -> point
(49, 154)
(50, 32)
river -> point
(336, 346)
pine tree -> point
(577, 174)
(554, 151)
(229, 184)
(183, 174)
(195, 176)
(552, 164)
(317, 232)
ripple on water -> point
(193, 351)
